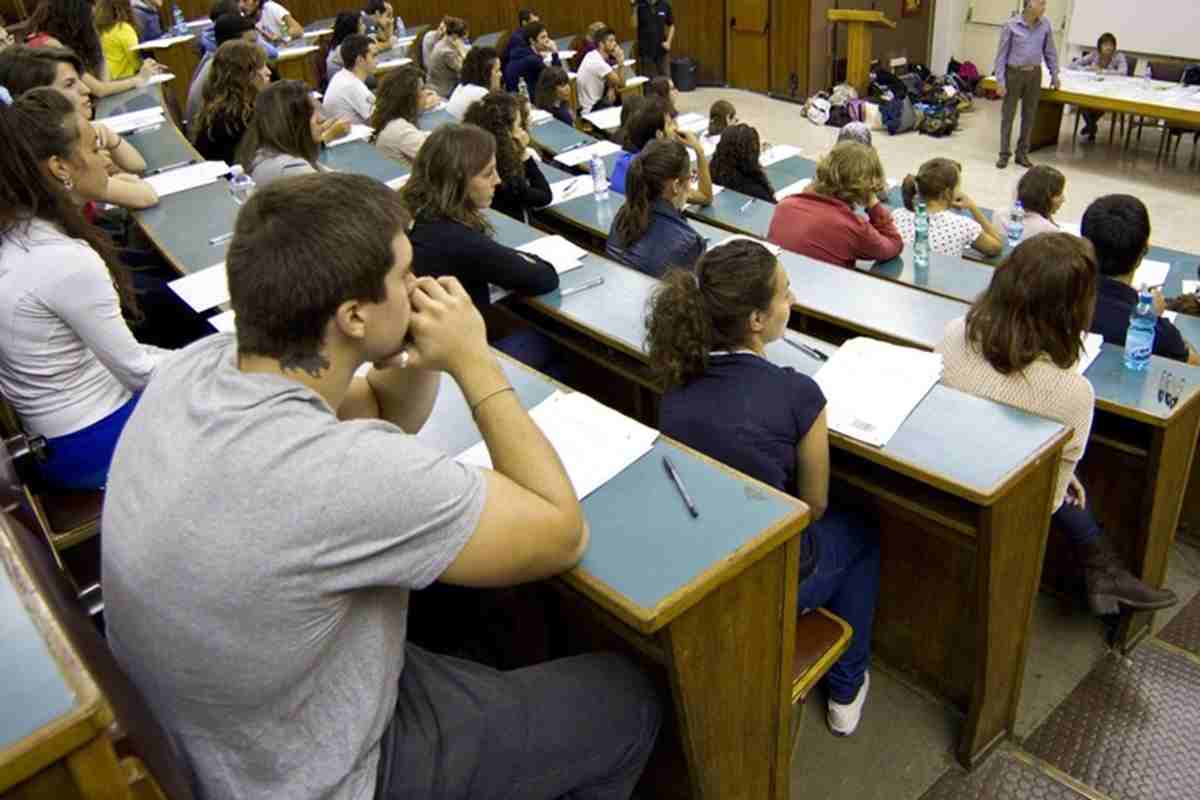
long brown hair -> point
(113, 12)
(496, 113)
(738, 155)
(851, 172)
(280, 125)
(660, 162)
(41, 124)
(450, 157)
(1040, 301)
(72, 23)
(230, 90)
(692, 314)
(660, 87)
(398, 97)
(933, 180)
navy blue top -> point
(670, 242)
(525, 62)
(1115, 301)
(652, 22)
(621, 166)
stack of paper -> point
(564, 255)
(773, 248)
(871, 387)
(570, 188)
(357, 133)
(606, 119)
(696, 123)
(537, 116)
(189, 177)
(1151, 274)
(1091, 350)
(594, 443)
(792, 188)
(133, 120)
(205, 289)
(778, 153)
(581, 155)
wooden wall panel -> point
(791, 49)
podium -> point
(859, 27)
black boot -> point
(1110, 584)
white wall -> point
(949, 19)
(977, 42)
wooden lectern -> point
(858, 52)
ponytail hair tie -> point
(5, 97)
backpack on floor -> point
(938, 120)
(899, 116)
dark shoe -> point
(1024, 161)
(1110, 585)
(1002, 162)
(1091, 136)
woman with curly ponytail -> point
(707, 333)
(523, 187)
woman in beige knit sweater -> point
(1019, 345)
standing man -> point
(1024, 41)
(655, 24)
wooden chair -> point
(821, 638)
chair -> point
(1116, 119)
(821, 638)
(1171, 71)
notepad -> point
(792, 188)
(205, 289)
(162, 77)
(569, 189)
(189, 177)
(1191, 287)
(778, 153)
(593, 442)
(564, 255)
(1092, 343)
(606, 119)
(159, 44)
(1151, 274)
(581, 155)
(773, 248)
(131, 121)
(871, 387)
(357, 133)
(224, 322)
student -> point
(314, 607)
(347, 23)
(649, 233)
(70, 24)
(939, 182)
(599, 75)
(1118, 226)
(227, 28)
(588, 45)
(630, 107)
(118, 38)
(380, 23)
(706, 334)
(1042, 191)
(553, 94)
(522, 187)
(721, 115)
(239, 73)
(653, 122)
(452, 182)
(286, 133)
(1019, 345)
(655, 23)
(430, 40)
(480, 75)
(820, 221)
(147, 18)
(402, 97)
(347, 94)
(69, 364)
(736, 165)
(446, 60)
(273, 21)
(526, 57)
(1104, 60)
(208, 38)
(664, 88)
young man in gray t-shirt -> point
(268, 513)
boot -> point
(1110, 584)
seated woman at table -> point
(480, 74)
(523, 187)
(286, 133)
(664, 89)
(347, 23)
(1107, 61)
(69, 364)
(736, 165)
(939, 182)
(649, 233)
(706, 334)
(553, 94)
(452, 183)
(71, 24)
(1041, 191)
(118, 37)
(1019, 345)
(446, 60)
(401, 98)
(821, 222)
(651, 122)
(239, 73)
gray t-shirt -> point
(257, 559)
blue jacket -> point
(616, 181)
(147, 21)
(525, 62)
(670, 242)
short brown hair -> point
(1040, 301)
(23, 68)
(851, 172)
(301, 247)
(437, 188)
(1038, 187)
(935, 177)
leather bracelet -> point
(486, 397)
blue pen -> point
(746, 206)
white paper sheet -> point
(162, 77)
(159, 44)
(396, 183)
(594, 443)
(1170, 316)
(581, 155)
(778, 153)
(773, 248)
(638, 81)
(318, 32)
(792, 188)
(696, 123)
(357, 133)
(224, 322)
(1191, 287)
(131, 121)
(1071, 228)
(295, 52)
(205, 289)
(571, 188)
(392, 63)
(189, 177)
(606, 119)
(563, 55)
(564, 255)
(1091, 351)
(1151, 274)
(537, 116)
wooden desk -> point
(180, 57)
(712, 599)
(297, 61)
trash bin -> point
(683, 73)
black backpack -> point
(1191, 76)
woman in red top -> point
(821, 222)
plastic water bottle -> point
(921, 236)
(1147, 77)
(181, 27)
(241, 184)
(1139, 339)
(599, 178)
(523, 88)
(1016, 224)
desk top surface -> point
(163, 146)
(431, 120)
(183, 224)
(556, 136)
(363, 158)
(132, 100)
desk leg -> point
(96, 772)
(1046, 125)
(1009, 552)
(729, 663)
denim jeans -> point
(1078, 523)
(845, 581)
(534, 349)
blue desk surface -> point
(726, 211)
(949, 276)
(363, 158)
(789, 170)
(431, 120)
(131, 100)
(163, 146)
(182, 224)
(555, 136)
(645, 548)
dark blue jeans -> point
(534, 349)
(845, 581)
(1078, 523)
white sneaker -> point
(843, 719)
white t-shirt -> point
(949, 232)
(347, 96)
(270, 21)
(464, 95)
(590, 80)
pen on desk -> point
(146, 129)
(746, 206)
(571, 147)
(687, 498)
(224, 237)
(167, 167)
(593, 283)
(811, 352)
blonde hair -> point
(851, 172)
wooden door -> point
(790, 48)
(747, 44)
